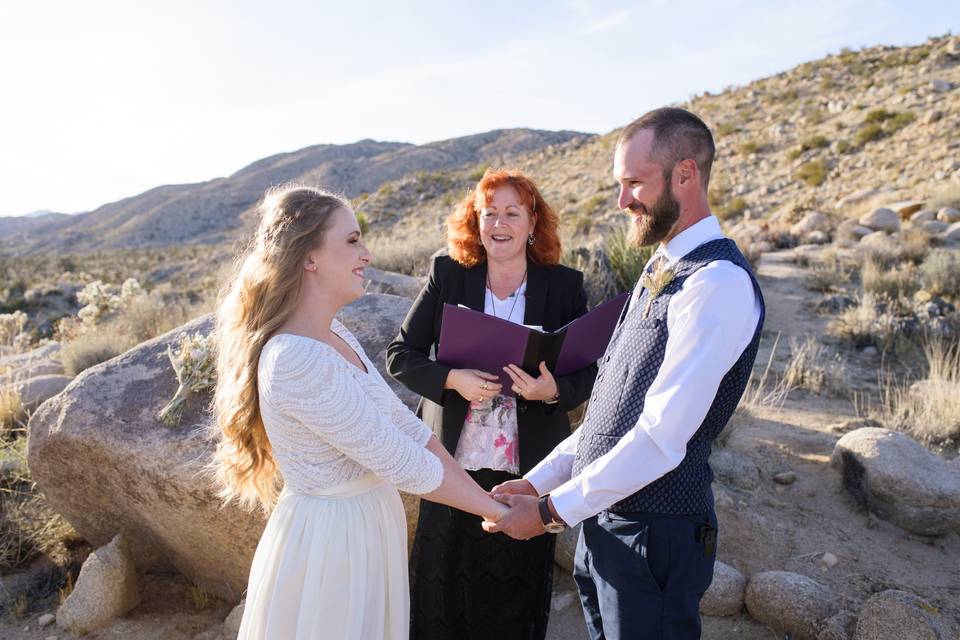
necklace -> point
(515, 295)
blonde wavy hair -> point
(260, 298)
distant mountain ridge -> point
(211, 212)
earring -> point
(530, 239)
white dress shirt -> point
(710, 322)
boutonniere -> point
(655, 283)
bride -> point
(298, 399)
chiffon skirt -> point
(331, 566)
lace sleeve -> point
(314, 386)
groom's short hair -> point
(677, 135)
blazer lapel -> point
(475, 285)
(536, 295)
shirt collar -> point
(690, 238)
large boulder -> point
(882, 219)
(725, 595)
(104, 461)
(898, 615)
(397, 284)
(897, 478)
(106, 589)
(37, 390)
(790, 603)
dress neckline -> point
(366, 368)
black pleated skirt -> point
(467, 584)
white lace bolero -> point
(329, 422)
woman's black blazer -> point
(555, 296)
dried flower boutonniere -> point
(655, 283)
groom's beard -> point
(655, 223)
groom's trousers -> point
(641, 575)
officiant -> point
(504, 251)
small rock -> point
(37, 390)
(860, 231)
(829, 560)
(231, 626)
(869, 350)
(882, 219)
(941, 86)
(790, 603)
(818, 237)
(952, 234)
(948, 215)
(47, 619)
(785, 478)
(934, 227)
(725, 595)
(813, 221)
(923, 216)
(932, 116)
(106, 589)
(836, 303)
(899, 615)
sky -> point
(101, 100)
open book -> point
(470, 339)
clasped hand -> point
(522, 521)
(476, 385)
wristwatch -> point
(551, 525)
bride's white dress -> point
(332, 562)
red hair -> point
(463, 227)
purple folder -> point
(473, 340)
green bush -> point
(626, 259)
(813, 173)
(731, 208)
(940, 274)
(868, 133)
(899, 121)
(814, 142)
(878, 116)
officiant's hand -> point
(474, 385)
(523, 520)
(526, 386)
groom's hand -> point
(519, 487)
(522, 522)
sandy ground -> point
(766, 527)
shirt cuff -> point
(543, 478)
(568, 500)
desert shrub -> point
(90, 348)
(814, 142)
(912, 246)
(898, 283)
(730, 208)
(751, 146)
(868, 323)
(812, 368)
(13, 417)
(899, 121)
(878, 116)
(626, 260)
(940, 274)
(12, 327)
(828, 273)
(813, 173)
(592, 204)
(844, 146)
(868, 133)
(476, 174)
(928, 410)
(949, 197)
(725, 129)
(794, 153)
(410, 256)
(364, 223)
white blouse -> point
(329, 422)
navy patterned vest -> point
(627, 370)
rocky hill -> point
(211, 212)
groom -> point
(636, 473)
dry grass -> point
(864, 325)
(828, 273)
(898, 283)
(940, 274)
(198, 597)
(949, 197)
(144, 318)
(812, 368)
(64, 592)
(929, 410)
(411, 256)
